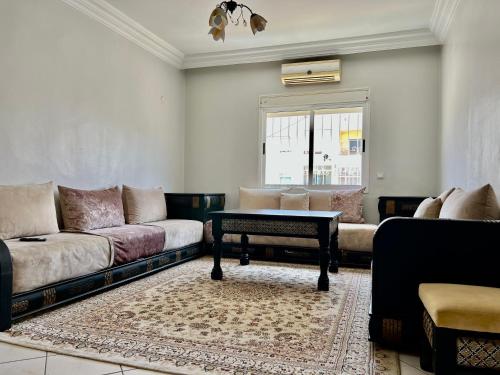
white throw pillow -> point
(27, 210)
(294, 201)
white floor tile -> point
(410, 370)
(64, 365)
(142, 372)
(410, 359)
(27, 367)
(10, 353)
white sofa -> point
(353, 237)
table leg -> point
(217, 249)
(334, 252)
(324, 258)
(244, 258)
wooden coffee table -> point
(322, 225)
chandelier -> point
(224, 11)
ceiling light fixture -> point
(224, 11)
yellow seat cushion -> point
(463, 307)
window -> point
(319, 145)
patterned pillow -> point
(350, 202)
(91, 209)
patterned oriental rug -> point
(265, 318)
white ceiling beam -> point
(442, 17)
(343, 46)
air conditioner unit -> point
(310, 72)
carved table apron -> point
(322, 225)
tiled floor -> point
(16, 360)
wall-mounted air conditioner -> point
(303, 73)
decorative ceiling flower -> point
(227, 10)
(217, 33)
(257, 23)
(218, 18)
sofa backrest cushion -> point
(260, 198)
(27, 210)
(143, 205)
(445, 194)
(479, 204)
(350, 202)
(429, 208)
(320, 200)
(84, 210)
(294, 201)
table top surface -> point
(279, 213)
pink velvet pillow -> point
(91, 209)
(350, 202)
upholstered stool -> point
(462, 327)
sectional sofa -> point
(355, 236)
(104, 238)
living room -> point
(236, 196)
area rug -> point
(265, 318)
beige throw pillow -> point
(260, 198)
(27, 210)
(350, 202)
(479, 204)
(445, 194)
(320, 200)
(294, 201)
(84, 210)
(429, 208)
(143, 205)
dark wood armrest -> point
(409, 251)
(193, 206)
(5, 287)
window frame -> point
(289, 103)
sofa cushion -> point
(84, 210)
(352, 237)
(179, 233)
(260, 198)
(132, 242)
(320, 200)
(27, 210)
(479, 204)
(429, 208)
(462, 307)
(62, 256)
(356, 237)
(445, 194)
(143, 205)
(350, 202)
(294, 201)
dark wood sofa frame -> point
(408, 252)
(17, 306)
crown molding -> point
(442, 17)
(369, 43)
(119, 22)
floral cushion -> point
(84, 210)
(350, 202)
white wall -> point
(470, 138)
(82, 106)
(222, 122)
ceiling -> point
(184, 23)
(177, 30)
